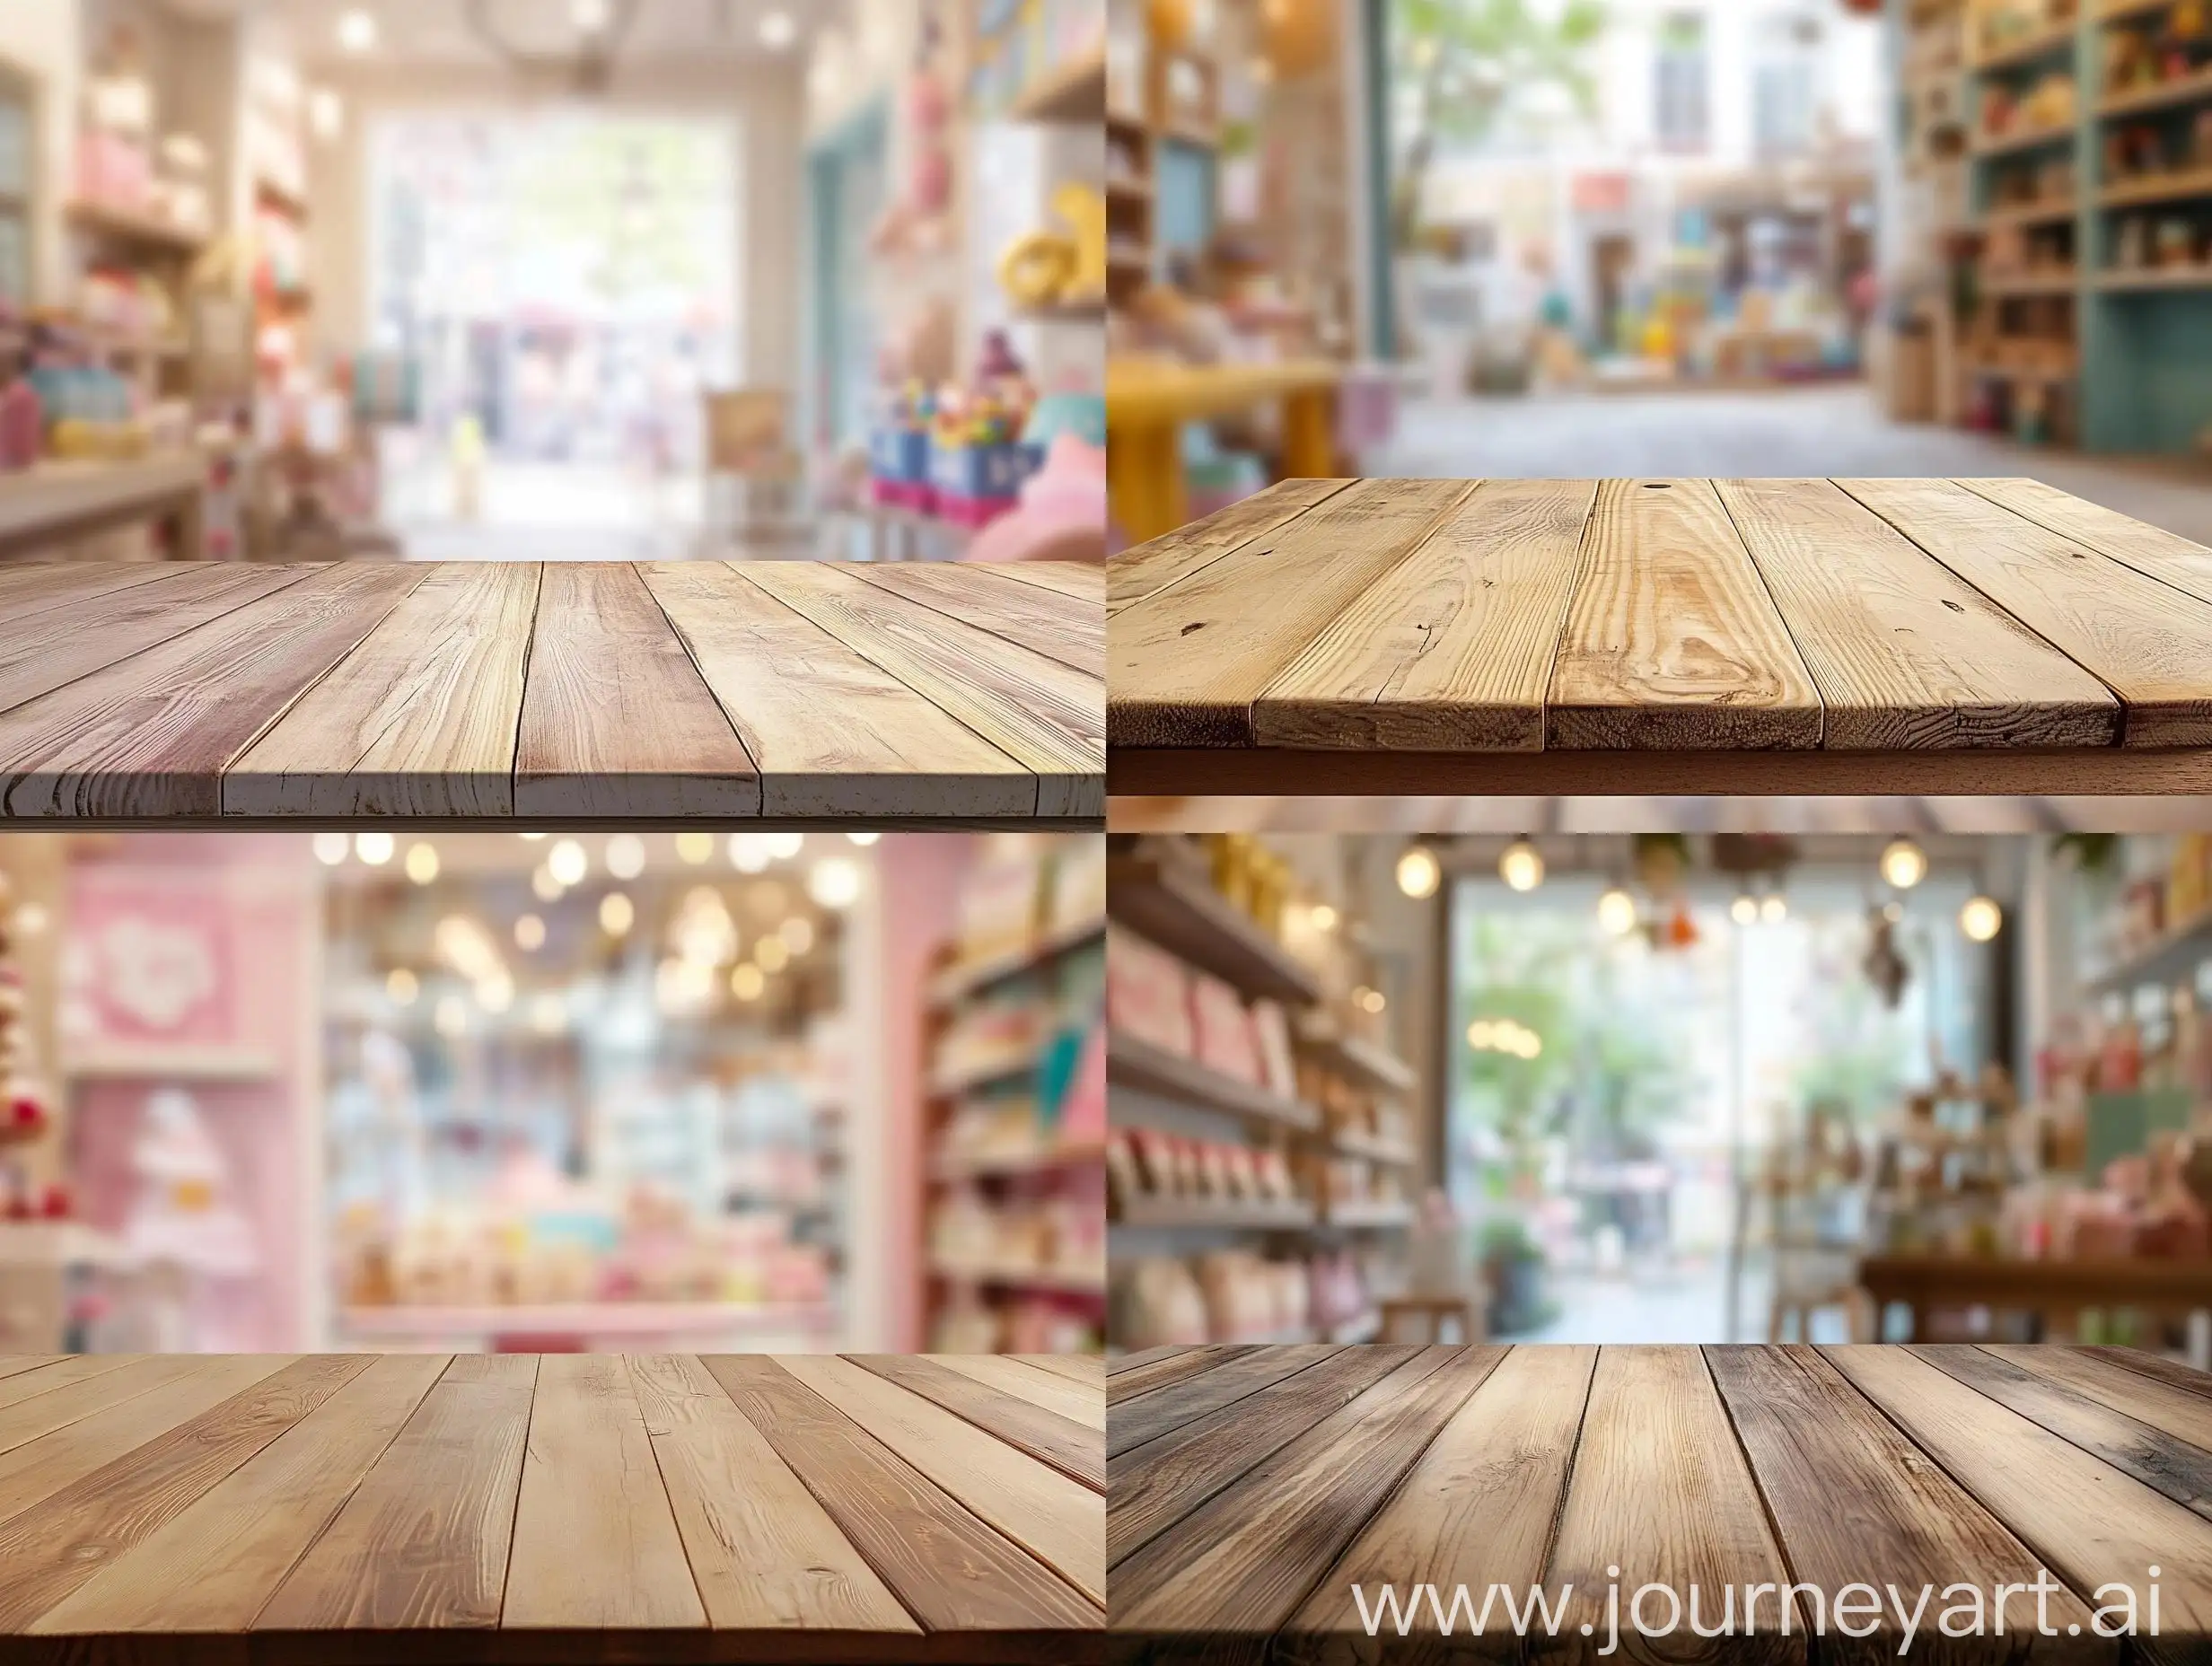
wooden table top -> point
(1249, 1489)
(568, 1507)
(797, 692)
(1900, 636)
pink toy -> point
(1061, 515)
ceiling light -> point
(529, 934)
(422, 863)
(373, 848)
(400, 986)
(1323, 917)
(1617, 913)
(777, 30)
(590, 17)
(1520, 867)
(626, 855)
(1980, 919)
(530, 839)
(357, 30)
(1419, 872)
(834, 883)
(783, 846)
(330, 848)
(750, 853)
(1743, 911)
(567, 863)
(695, 847)
(616, 914)
(748, 981)
(864, 839)
(1773, 910)
(1904, 864)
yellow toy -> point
(1049, 268)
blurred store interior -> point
(530, 279)
(1521, 238)
(1661, 1088)
(515, 1093)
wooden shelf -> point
(2157, 278)
(1373, 1148)
(2045, 43)
(1059, 1280)
(2025, 215)
(1368, 1216)
(964, 977)
(2019, 285)
(2024, 139)
(1195, 1214)
(1360, 1060)
(1190, 919)
(2181, 89)
(953, 1166)
(2171, 958)
(131, 226)
(1074, 94)
(2156, 188)
(1134, 1063)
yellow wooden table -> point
(1148, 401)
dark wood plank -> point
(1245, 1560)
(1058, 626)
(1146, 1417)
(1061, 1442)
(616, 721)
(950, 1570)
(1140, 1373)
(1150, 568)
(424, 1539)
(151, 736)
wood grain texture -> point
(52, 1550)
(211, 1566)
(420, 720)
(32, 1376)
(2135, 1362)
(1248, 1557)
(1049, 716)
(424, 1539)
(1451, 648)
(1085, 581)
(2144, 639)
(1185, 667)
(1481, 1500)
(950, 1570)
(615, 718)
(150, 736)
(2165, 556)
(1056, 1519)
(765, 1555)
(1671, 641)
(31, 588)
(1068, 1445)
(1150, 568)
(1140, 1373)
(1172, 1405)
(831, 732)
(1088, 1369)
(1068, 630)
(595, 1540)
(1078, 1402)
(1906, 655)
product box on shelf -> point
(899, 467)
(975, 484)
(1148, 992)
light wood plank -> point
(1905, 654)
(1076, 1402)
(2162, 555)
(595, 1540)
(213, 1565)
(33, 1377)
(151, 737)
(765, 1556)
(2088, 1524)
(1150, 1416)
(1150, 568)
(1072, 632)
(424, 1539)
(1476, 1509)
(1230, 1566)
(420, 720)
(950, 1570)
(1085, 581)
(1661, 1491)
(1671, 641)
(1058, 1521)
(616, 719)
(1186, 666)
(1452, 648)
(2144, 639)
(2172, 1373)
(1061, 1442)
(49, 1551)
(32, 588)
(1035, 709)
(1088, 1369)
(1855, 1501)
(831, 732)
(1140, 1373)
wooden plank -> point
(1140, 1373)
(615, 718)
(1085, 581)
(1453, 649)
(831, 732)
(420, 720)
(151, 737)
(1660, 1492)
(1185, 667)
(1671, 641)
(1088, 1369)
(1035, 709)
(2165, 556)
(2182, 1471)
(1854, 1502)
(1476, 1509)
(951, 1570)
(53, 646)
(1061, 1442)
(765, 1556)
(1150, 568)
(51, 1549)
(1150, 1416)
(1906, 655)
(2172, 1373)
(1058, 1521)
(1077, 1402)
(174, 1389)
(33, 1376)
(424, 1539)
(32, 588)
(1154, 1485)
(2184, 1413)
(1244, 1561)
(212, 1566)
(2145, 640)
(1071, 631)
(2090, 1524)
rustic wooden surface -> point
(191, 693)
(1574, 636)
(1250, 1488)
(570, 1507)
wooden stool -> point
(1432, 1311)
